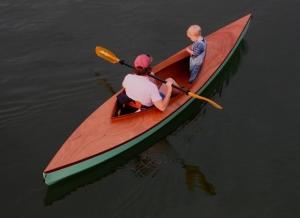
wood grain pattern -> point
(99, 133)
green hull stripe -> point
(55, 176)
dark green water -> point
(239, 162)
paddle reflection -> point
(195, 179)
(104, 83)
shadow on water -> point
(145, 165)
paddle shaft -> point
(112, 58)
(157, 78)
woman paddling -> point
(140, 91)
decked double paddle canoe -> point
(104, 135)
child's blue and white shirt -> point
(197, 58)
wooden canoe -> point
(102, 136)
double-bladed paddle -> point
(112, 58)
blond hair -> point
(194, 30)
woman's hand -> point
(162, 104)
(169, 84)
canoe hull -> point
(151, 135)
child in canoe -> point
(197, 51)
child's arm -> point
(189, 50)
(198, 49)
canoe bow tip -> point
(249, 15)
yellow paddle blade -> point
(106, 55)
(212, 103)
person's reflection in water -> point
(145, 166)
(149, 163)
(195, 178)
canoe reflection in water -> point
(145, 164)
